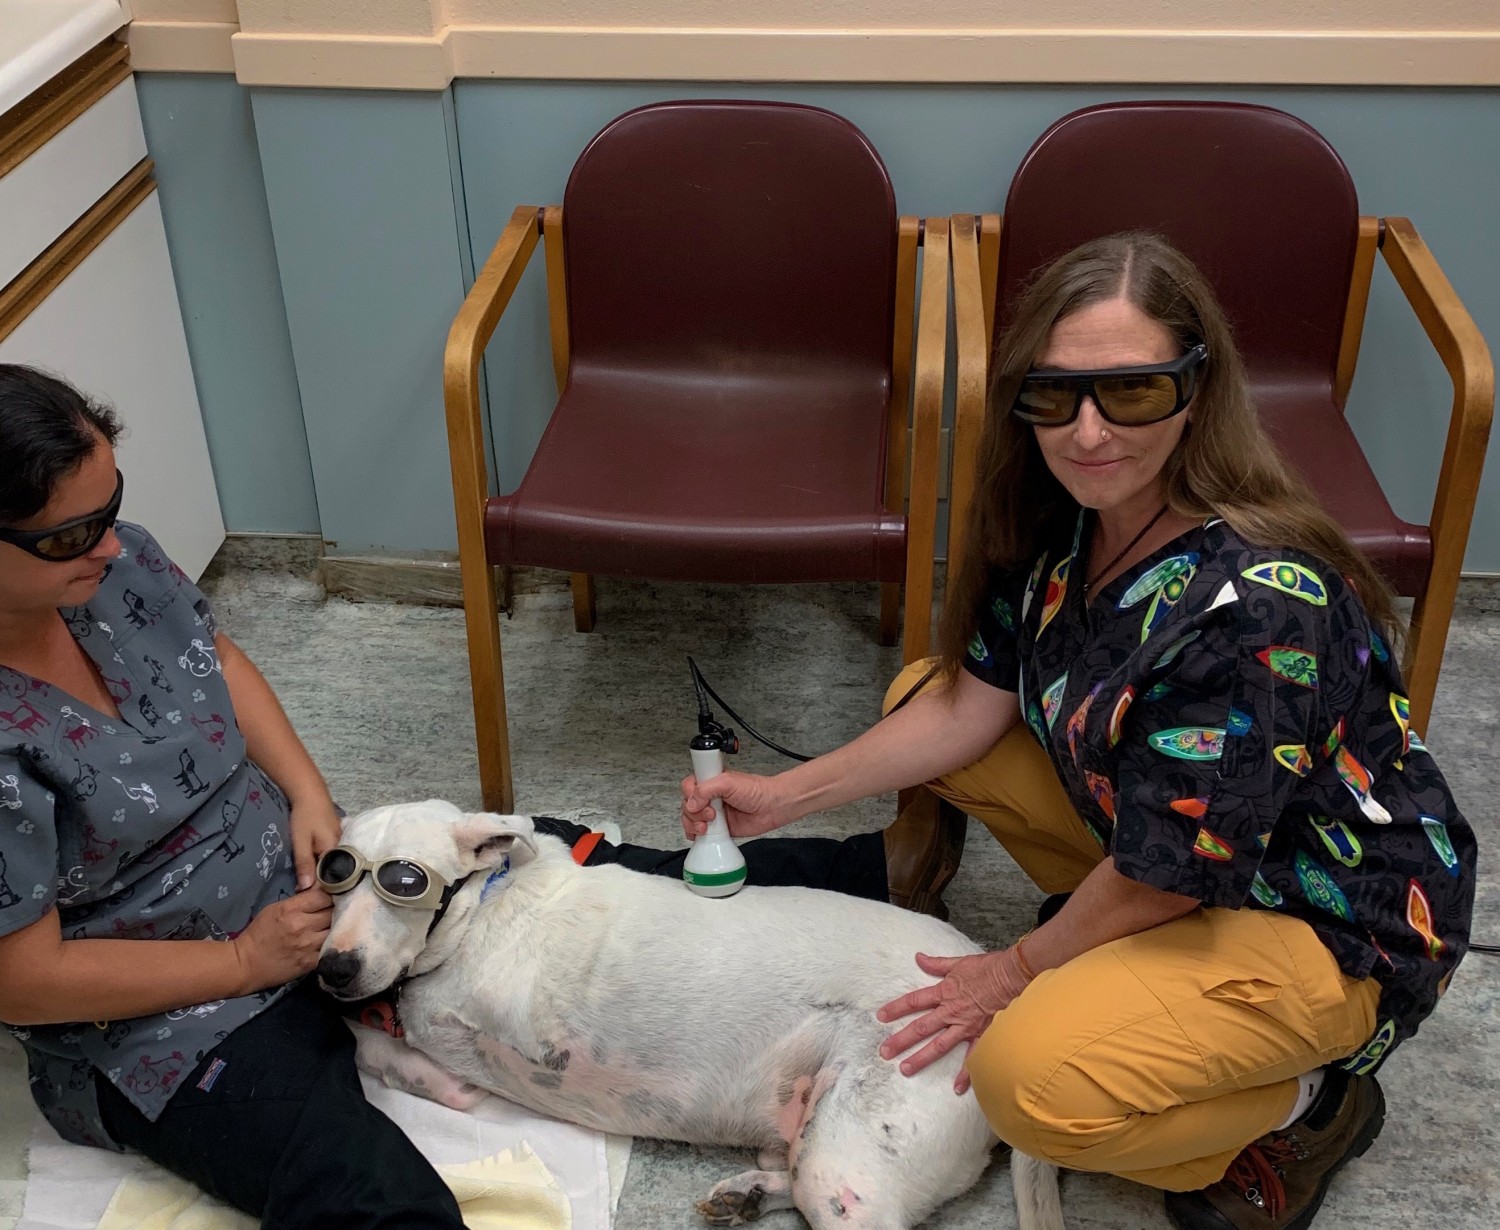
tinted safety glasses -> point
(1126, 396)
(71, 539)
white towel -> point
(71, 1186)
(510, 1191)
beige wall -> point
(423, 44)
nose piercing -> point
(1104, 434)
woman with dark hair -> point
(160, 830)
(1168, 686)
(159, 826)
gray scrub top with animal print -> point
(154, 825)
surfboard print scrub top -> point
(1231, 728)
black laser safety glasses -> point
(59, 543)
(1126, 396)
(401, 881)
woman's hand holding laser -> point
(752, 804)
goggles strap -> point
(446, 900)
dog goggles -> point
(401, 881)
(59, 543)
(1126, 396)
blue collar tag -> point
(495, 881)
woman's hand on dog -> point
(957, 1009)
(316, 828)
(284, 940)
(752, 804)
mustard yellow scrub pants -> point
(1159, 1056)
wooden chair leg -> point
(487, 678)
(890, 613)
(583, 602)
(1426, 638)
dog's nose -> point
(337, 969)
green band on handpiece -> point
(714, 879)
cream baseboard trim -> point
(181, 46)
(980, 55)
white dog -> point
(625, 1003)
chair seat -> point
(1311, 433)
(610, 490)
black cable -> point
(1492, 950)
(703, 686)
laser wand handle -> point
(714, 867)
(708, 763)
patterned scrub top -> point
(154, 825)
(1231, 728)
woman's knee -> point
(1037, 1097)
(1007, 1065)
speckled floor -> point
(380, 694)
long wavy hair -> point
(1225, 465)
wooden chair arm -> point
(989, 268)
(470, 333)
(1462, 349)
(927, 426)
(972, 338)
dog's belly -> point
(641, 1095)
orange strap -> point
(585, 847)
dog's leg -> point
(746, 1197)
(774, 1157)
(394, 1063)
(1038, 1197)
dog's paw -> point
(746, 1196)
(732, 1208)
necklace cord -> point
(1124, 551)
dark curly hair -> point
(47, 430)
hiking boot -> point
(922, 852)
(1278, 1183)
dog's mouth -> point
(357, 994)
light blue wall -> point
(200, 132)
(1433, 155)
(371, 243)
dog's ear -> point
(484, 838)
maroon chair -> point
(732, 299)
(1266, 208)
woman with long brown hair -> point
(1168, 686)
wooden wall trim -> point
(40, 278)
(45, 112)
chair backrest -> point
(1255, 197)
(749, 240)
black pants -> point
(854, 866)
(285, 1133)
